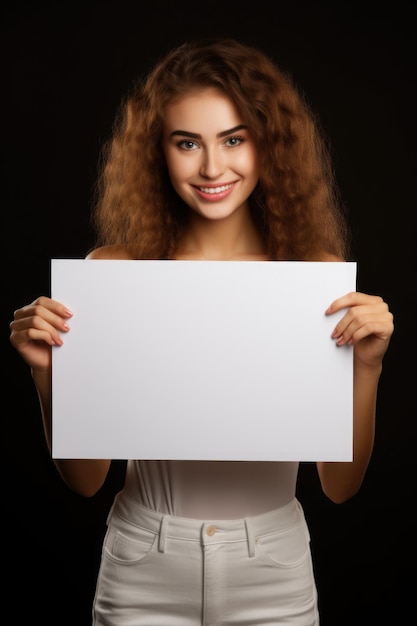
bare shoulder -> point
(113, 252)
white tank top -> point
(211, 489)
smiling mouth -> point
(213, 190)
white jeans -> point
(161, 570)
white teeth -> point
(215, 189)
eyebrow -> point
(224, 133)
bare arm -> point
(35, 330)
(368, 326)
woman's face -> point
(210, 154)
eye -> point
(233, 141)
(187, 144)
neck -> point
(233, 238)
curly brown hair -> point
(296, 204)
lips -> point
(215, 192)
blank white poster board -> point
(217, 360)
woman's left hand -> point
(367, 325)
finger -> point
(377, 311)
(364, 326)
(354, 298)
(34, 313)
(43, 306)
(22, 338)
(38, 328)
(53, 305)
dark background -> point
(64, 70)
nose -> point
(212, 163)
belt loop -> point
(163, 533)
(251, 539)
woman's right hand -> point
(36, 327)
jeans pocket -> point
(285, 548)
(128, 547)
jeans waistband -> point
(206, 531)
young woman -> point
(215, 156)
